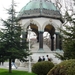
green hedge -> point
(42, 68)
(66, 67)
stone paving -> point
(6, 66)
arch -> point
(48, 22)
(33, 22)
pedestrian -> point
(1, 60)
(13, 63)
(46, 58)
(43, 58)
(39, 59)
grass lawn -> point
(14, 72)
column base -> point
(41, 50)
(57, 49)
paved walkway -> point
(6, 66)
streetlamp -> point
(29, 32)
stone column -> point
(38, 37)
(40, 40)
(52, 43)
(57, 40)
(60, 43)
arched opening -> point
(46, 39)
(33, 36)
(50, 40)
(49, 28)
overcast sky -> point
(5, 4)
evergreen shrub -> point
(66, 67)
(42, 68)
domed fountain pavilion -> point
(42, 16)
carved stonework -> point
(31, 20)
(50, 20)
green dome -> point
(38, 8)
(39, 4)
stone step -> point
(35, 47)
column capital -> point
(57, 32)
(41, 31)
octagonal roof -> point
(39, 8)
(39, 4)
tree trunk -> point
(10, 67)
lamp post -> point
(29, 32)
